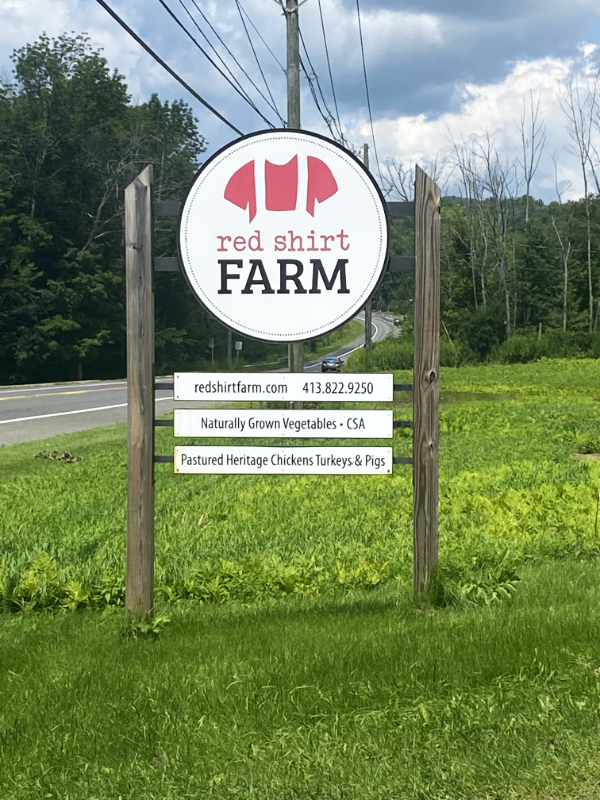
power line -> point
(329, 66)
(165, 66)
(205, 54)
(234, 84)
(329, 119)
(362, 50)
(315, 97)
(262, 40)
(210, 44)
(274, 106)
(216, 33)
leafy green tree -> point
(69, 144)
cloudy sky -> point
(437, 70)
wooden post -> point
(369, 303)
(139, 585)
(295, 349)
(368, 333)
(426, 378)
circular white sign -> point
(283, 235)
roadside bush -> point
(524, 347)
(397, 354)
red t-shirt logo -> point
(281, 186)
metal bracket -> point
(401, 460)
(166, 208)
(403, 423)
(164, 423)
(290, 10)
(164, 459)
(403, 209)
(401, 264)
(403, 387)
(164, 386)
(166, 264)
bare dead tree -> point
(499, 180)
(580, 106)
(562, 186)
(470, 190)
(114, 170)
(533, 139)
(399, 179)
(563, 240)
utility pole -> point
(295, 349)
(369, 303)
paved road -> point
(382, 325)
(28, 413)
(40, 412)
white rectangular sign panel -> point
(279, 423)
(289, 386)
(284, 460)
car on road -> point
(331, 364)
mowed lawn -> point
(292, 661)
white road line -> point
(67, 413)
(63, 386)
(347, 353)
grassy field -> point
(511, 492)
(363, 698)
(295, 664)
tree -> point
(69, 144)
(533, 139)
(580, 106)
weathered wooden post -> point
(369, 303)
(139, 585)
(426, 378)
(295, 349)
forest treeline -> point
(71, 140)
(520, 277)
(511, 285)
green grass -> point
(295, 664)
(332, 341)
(367, 696)
(510, 493)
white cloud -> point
(20, 17)
(385, 33)
(587, 49)
(495, 109)
(23, 21)
(418, 58)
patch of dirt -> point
(54, 455)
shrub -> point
(524, 347)
(397, 354)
